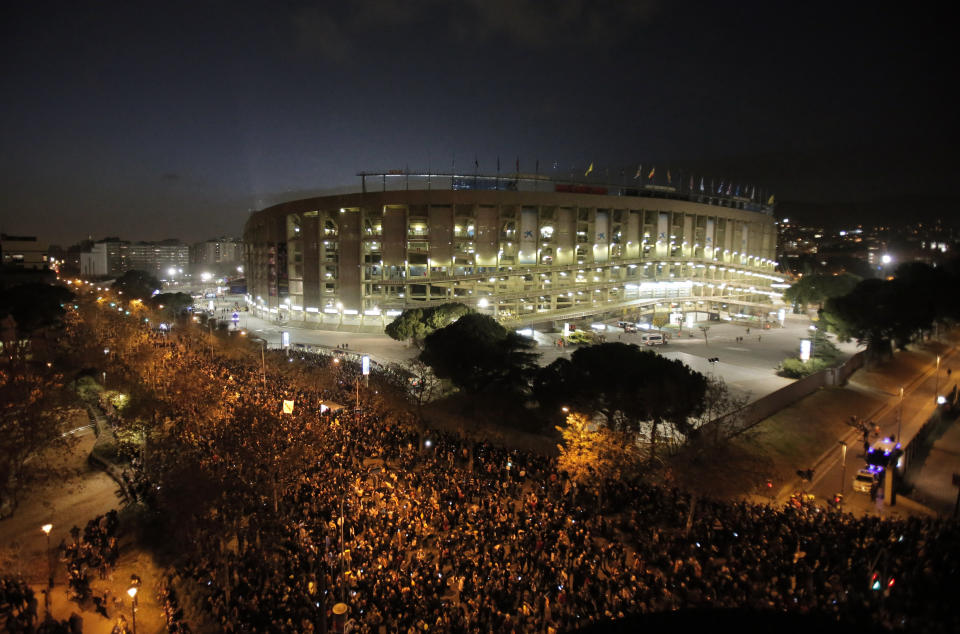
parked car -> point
(865, 480)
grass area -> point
(795, 437)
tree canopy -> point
(476, 354)
(171, 303)
(417, 323)
(34, 306)
(883, 313)
(137, 285)
(634, 389)
(816, 288)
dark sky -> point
(165, 119)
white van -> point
(652, 339)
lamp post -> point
(132, 591)
(843, 469)
(936, 389)
(900, 415)
(46, 528)
(263, 362)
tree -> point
(171, 304)
(883, 313)
(705, 329)
(868, 314)
(415, 381)
(34, 306)
(136, 285)
(416, 323)
(816, 288)
(30, 415)
(591, 454)
(477, 354)
(719, 458)
(634, 390)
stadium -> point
(529, 250)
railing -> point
(740, 196)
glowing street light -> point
(46, 528)
(132, 591)
(936, 389)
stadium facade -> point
(526, 249)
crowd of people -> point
(95, 548)
(19, 611)
(416, 530)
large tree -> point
(171, 304)
(416, 323)
(136, 285)
(867, 314)
(477, 354)
(817, 288)
(633, 389)
(34, 306)
(31, 415)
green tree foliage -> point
(34, 306)
(633, 389)
(417, 323)
(882, 313)
(796, 369)
(868, 314)
(817, 288)
(136, 285)
(172, 303)
(478, 354)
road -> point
(918, 404)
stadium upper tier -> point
(524, 248)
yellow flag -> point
(288, 407)
(589, 169)
(653, 170)
(770, 200)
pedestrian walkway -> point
(808, 434)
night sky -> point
(149, 120)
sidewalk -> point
(808, 433)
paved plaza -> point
(748, 357)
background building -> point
(526, 250)
(219, 256)
(23, 252)
(105, 258)
(168, 260)
(111, 257)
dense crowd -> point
(419, 530)
(95, 549)
(18, 611)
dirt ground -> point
(73, 502)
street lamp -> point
(263, 362)
(936, 390)
(900, 415)
(132, 591)
(843, 469)
(46, 528)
